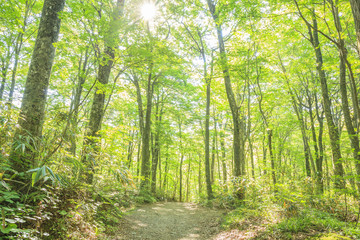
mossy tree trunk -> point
(32, 110)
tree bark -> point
(207, 129)
(18, 46)
(239, 161)
(181, 161)
(5, 62)
(333, 132)
(82, 73)
(145, 153)
(188, 180)
(155, 157)
(352, 133)
(319, 160)
(272, 162)
(223, 152)
(212, 166)
(32, 111)
(355, 7)
(91, 140)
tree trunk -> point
(131, 147)
(212, 169)
(207, 133)
(264, 150)
(273, 173)
(5, 62)
(355, 6)
(34, 100)
(166, 174)
(188, 181)
(18, 47)
(155, 157)
(352, 133)
(160, 170)
(138, 158)
(145, 153)
(319, 161)
(200, 176)
(223, 151)
(91, 140)
(237, 141)
(333, 133)
(74, 111)
(249, 132)
(181, 163)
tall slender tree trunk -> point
(181, 162)
(333, 132)
(239, 161)
(352, 133)
(160, 169)
(166, 173)
(200, 176)
(272, 159)
(188, 180)
(32, 111)
(91, 140)
(145, 153)
(212, 169)
(319, 161)
(355, 7)
(138, 158)
(249, 133)
(5, 62)
(207, 131)
(155, 157)
(223, 154)
(74, 111)
(18, 47)
(130, 151)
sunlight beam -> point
(148, 11)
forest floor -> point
(172, 220)
(189, 221)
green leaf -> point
(9, 228)
(51, 174)
(5, 185)
(63, 212)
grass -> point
(270, 220)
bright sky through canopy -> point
(148, 11)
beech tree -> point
(238, 145)
(106, 62)
(34, 100)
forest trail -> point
(171, 221)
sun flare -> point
(148, 11)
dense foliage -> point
(246, 105)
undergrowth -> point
(291, 215)
(50, 210)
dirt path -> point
(171, 221)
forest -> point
(203, 119)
